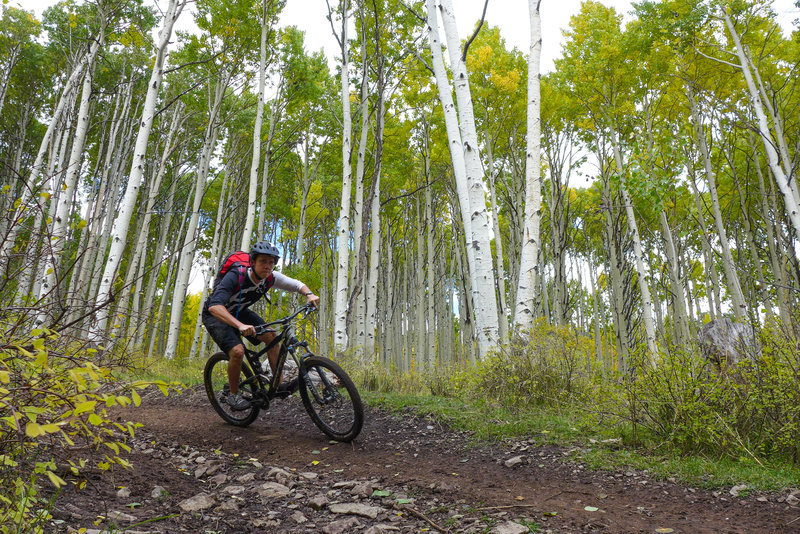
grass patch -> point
(561, 427)
(186, 371)
(486, 421)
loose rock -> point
(354, 508)
(198, 502)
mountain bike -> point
(329, 395)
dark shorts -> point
(224, 335)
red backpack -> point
(238, 260)
(235, 260)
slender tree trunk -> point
(775, 262)
(715, 307)
(680, 317)
(644, 287)
(787, 189)
(499, 256)
(187, 250)
(371, 297)
(617, 296)
(356, 314)
(531, 244)
(121, 223)
(172, 269)
(343, 228)
(253, 189)
(486, 318)
(60, 228)
(731, 276)
(32, 185)
(432, 285)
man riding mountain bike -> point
(227, 317)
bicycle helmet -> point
(264, 247)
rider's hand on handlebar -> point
(247, 330)
(311, 298)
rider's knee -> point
(236, 353)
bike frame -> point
(265, 391)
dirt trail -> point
(407, 474)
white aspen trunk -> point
(777, 122)
(172, 268)
(5, 76)
(681, 317)
(356, 325)
(343, 227)
(55, 164)
(731, 275)
(309, 175)
(119, 232)
(189, 246)
(498, 246)
(250, 218)
(777, 268)
(763, 293)
(644, 286)
(558, 262)
(391, 307)
(486, 320)
(86, 287)
(60, 228)
(598, 342)
(420, 300)
(529, 254)
(31, 186)
(432, 332)
(451, 122)
(545, 292)
(6, 201)
(615, 272)
(451, 330)
(790, 196)
(371, 293)
(714, 305)
(262, 217)
(455, 143)
(144, 230)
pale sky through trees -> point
(510, 15)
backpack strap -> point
(242, 271)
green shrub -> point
(548, 366)
(53, 408)
(746, 411)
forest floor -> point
(404, 473)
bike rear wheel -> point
(331, 399)
(215, 377)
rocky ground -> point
(194, 473)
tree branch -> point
(474, 35)
(734, 65)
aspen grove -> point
(441, 194)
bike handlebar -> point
(305, 308)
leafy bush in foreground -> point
(53, 412)
(746, 411)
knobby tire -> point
(215, 378)
(333, 403)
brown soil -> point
(443, 479)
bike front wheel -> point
(331, 399)
(215, 377)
